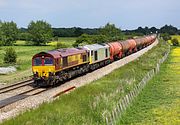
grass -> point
(159, 102)
(86, 104)
(25, 54)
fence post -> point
(107, 121)
(113, 114)
(127, 99)
(111, 119)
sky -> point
(125, 14)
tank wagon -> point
(53, 67)
(115, 50)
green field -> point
(159, 103)
(86, 104)
(25, 54)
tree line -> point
(40, 32)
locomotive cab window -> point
(48, 61)
(37, 61)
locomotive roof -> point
(63, 52)
(96, 46)
(66, 52)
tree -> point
(153, 29)
(90, 39)
(8, 33)
(83, 39)
(10, 55)
(175, 42)
(107, 33)
(40, 32)
(110, 30)
(169, 29)
(78, 32)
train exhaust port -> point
(65, 91)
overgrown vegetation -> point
(85, 105)
(10, 55)
(159, 102)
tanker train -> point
(52, 67)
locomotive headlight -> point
(35, 74)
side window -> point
(88, 54)
(84, 58)
(91, 53)
(95, 55)
(65, 61)
(106, 51)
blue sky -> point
(126, 14)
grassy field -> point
(159, 103)
(25, 54)
(86, 104)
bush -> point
(166, 36)
(10, 55)
(175, 42)
(61, 45)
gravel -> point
(47, 96)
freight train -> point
(53, 67)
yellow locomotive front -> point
(43, 67)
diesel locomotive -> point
(53, 67)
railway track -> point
(21, 96)
(17, 97)
(15, 86)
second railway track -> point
(15, 86)
(21, 96)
